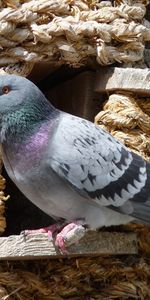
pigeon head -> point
(16, 91)
(22, 105)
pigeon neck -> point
(24, 121)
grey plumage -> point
(67, 166)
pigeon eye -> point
(5, 89)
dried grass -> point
(22, 69)
(71, 31)
(127, 118)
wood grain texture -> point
(37, 246)
(123, 79)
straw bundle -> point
(127, 118)
(71, 31)
(22, 69)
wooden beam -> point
(123, 79)
(37, 246)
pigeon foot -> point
(64, 236)
(69, 235)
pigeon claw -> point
(69, 235)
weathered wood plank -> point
(123, 79)
(35, 246)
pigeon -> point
(67, 166)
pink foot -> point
(49, 229)
(64, 235)
(70, 234)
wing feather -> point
(96, 164)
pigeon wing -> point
(99, 167)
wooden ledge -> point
(123, 79)
(37, 246)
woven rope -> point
(99, 278)
(128, 118)
(70, 32)
(22, 69)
